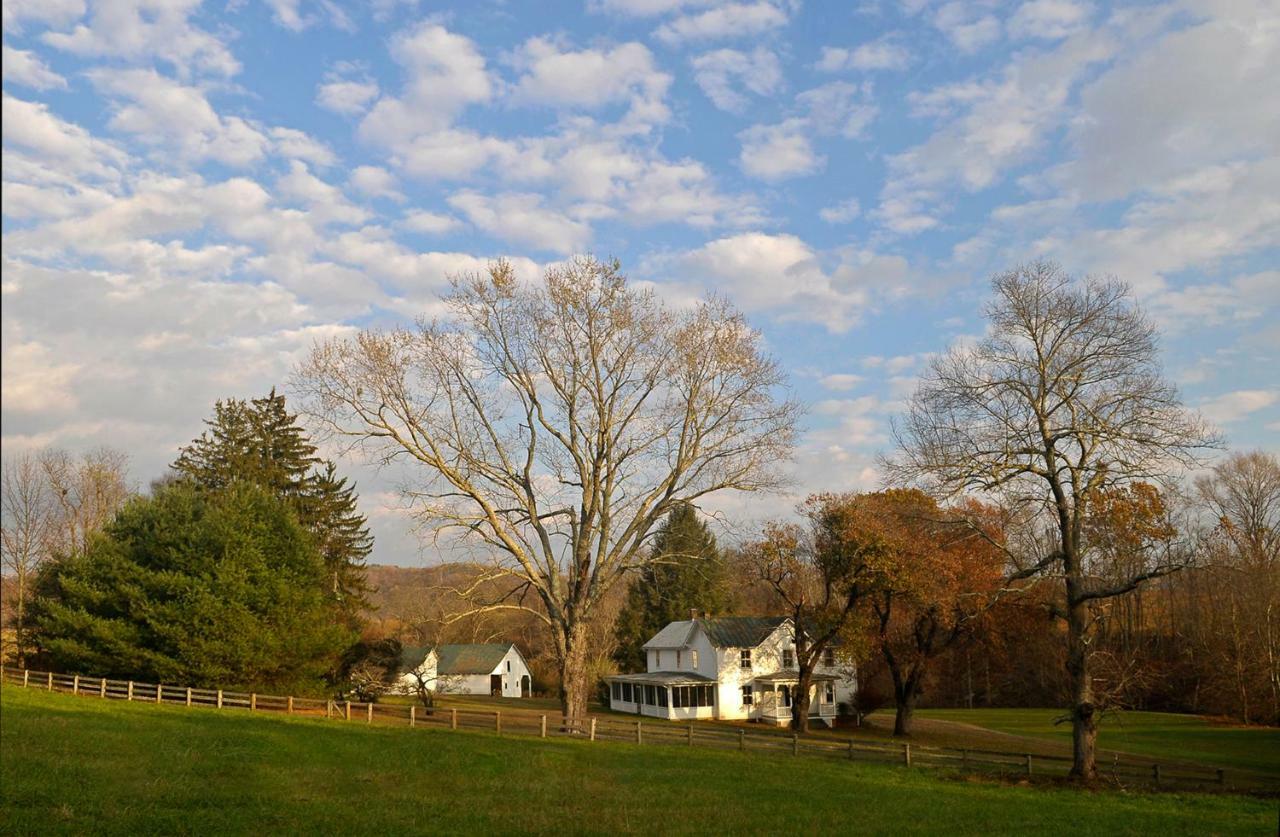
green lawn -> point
(1162, 735)
(76, 765)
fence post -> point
(370, 713)
(688, 735)
(850, 749)
(906, 754)
(453, 718)
(639, 735)
(497, 721)
(289, 706)
(346, 711)
(964, 759)
(26, 675)
(795, 744)
(593, 729)
(159, 692)
(328, 709)
(1028, 764)
(1222, 777)
(742, 739)
(188, 696)
(128, 695)
(253, 701)
(1155, 773)
(413, 714)
(75, 685)
(542, 727)
(102, 688)
(51, 681)
(219, 698)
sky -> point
(193, 193)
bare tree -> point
(1242, 493)
(1061, 401)
(29, 519)
(555, 424)
(88, 490)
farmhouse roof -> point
(471, 659)
(723, 631)
(663, 678)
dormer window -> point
(788, 658)
(829, 657)
(693, 658)
(744, 659)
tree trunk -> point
(800, 704)
(1084, 721)
(574, 686)
(906, 708)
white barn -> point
(486, 669)
(737, 667)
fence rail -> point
(1127, 771)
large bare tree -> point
(555, 423)
(29, 520)
(1061, 401)
(88, 490)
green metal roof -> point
(740, 631)
(470, 659)
(412, 656)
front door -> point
(495, 685)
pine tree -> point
(686, 573)
(261, 442)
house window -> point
(744, 658)
(785, 694)
(788, 658)
(677, 697)
(830, 696)
(693, 659)
(829, 656)
(617, 690)
(747, 697)
(677, 659)
(508, 666)
(626, 692)
(657, 660)
(662, 696)
(650, 696)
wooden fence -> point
(1124, 772)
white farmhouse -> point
(737, 667)
(488, 669)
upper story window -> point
(508, 665)
(693, 658)
(744, 659)
(657, 660)
(677, 658)
(828, 656)
(788, 658)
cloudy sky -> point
(193, 193)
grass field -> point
(1161, 735)
(75, 765)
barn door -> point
(495, 685)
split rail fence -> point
(1125, 772)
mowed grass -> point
(77, 765)
(1162, 735)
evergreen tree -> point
(688, 574)
(261, 442)
(209, 588)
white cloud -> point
(346, 96)
(724, 73)
(1049, 19)
(326, 202)
(300, 146)
(1235, 406)
(967, 25)
(375, 182)
(33, 380)
(161, 112)
(839, 107)
(523, 218)
(840, 381)
(26, 68)
(778, 152)
(444, 73)
(730, 20)
(590, 78)
(140, 30)
(884, 53)
(56, 13)
(57, 143)
(842, 212)
(431, 223)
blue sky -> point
(193, 193)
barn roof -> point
(471, 659)
(412, 656)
